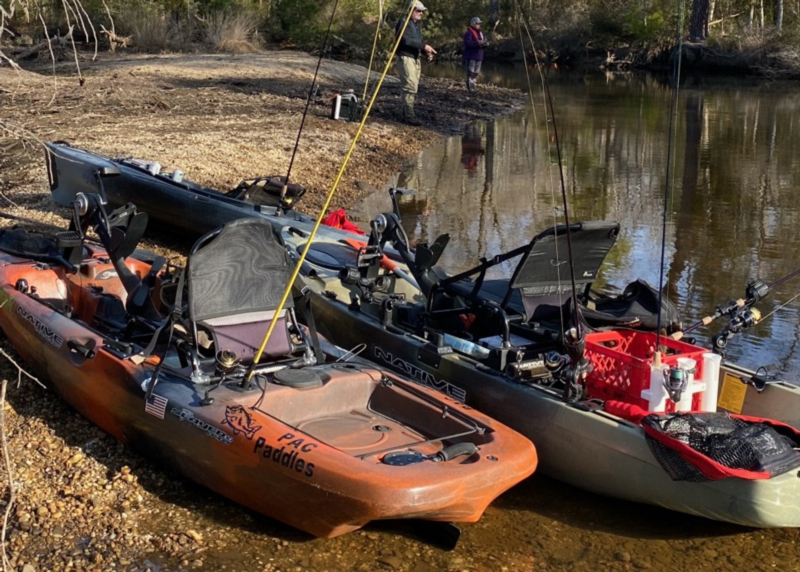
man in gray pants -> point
(409, 67)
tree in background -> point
(698, 24)
(567, 29)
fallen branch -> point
(11, 62)
(3, 29)
(6, 457)
(9, 473)
(54, 42)
(21, 372)
(115, 41)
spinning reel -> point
(742, 314)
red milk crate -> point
(622, 360)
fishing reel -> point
(741, 320)
(225, 362)
(573, 367)
(676, 381)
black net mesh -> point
(243, 269)
(29, 244)
(731, 442)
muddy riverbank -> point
(223, 118)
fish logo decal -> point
(106, 275)
(240, 421)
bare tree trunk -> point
(778, 15)
(698, 25)
(494, 16)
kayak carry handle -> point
(453, 451)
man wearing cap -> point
(409, 67)
(473, 52)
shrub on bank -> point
(154, 30)
(232, 32)
(564, 31)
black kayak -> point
(172, 202)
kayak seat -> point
(235, 277)
(543, 277)
(243, 334)
(540, 286)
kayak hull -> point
(185, 207)
(589, 449)
(312, 457)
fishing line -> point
(288, 290)
(550, 184)
(557, 144)
(669, 178)
(527, 73)
(285, 188)
(374, 48)
(573, 339)
(782, 306)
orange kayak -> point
(161, 358)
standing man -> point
(473, 52)
(409, 67)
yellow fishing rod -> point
(287, 292)
(374, 47)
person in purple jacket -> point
(474, 41)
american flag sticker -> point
(156, 405)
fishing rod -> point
(285, 188)
(742, 313)
(248, 378)
(668, 182)
(574, 337)
(374, 48)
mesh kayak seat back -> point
(543, 275)
(236, 276)
(540, 285)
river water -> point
(733, 208)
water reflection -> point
(471, 148)
(732, 212)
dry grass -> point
(233, 33)
(763, 51)
(153, 31)
(784, 63)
